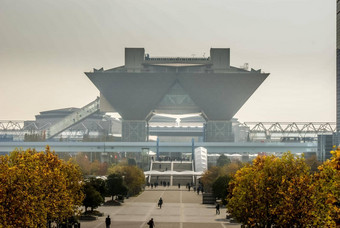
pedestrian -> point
(189, 187)
(108, 221)
(151, 223)
(217, 208)
(179, 185)
(160, 202)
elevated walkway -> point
(73, 119)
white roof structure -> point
(173, 173)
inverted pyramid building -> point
(179, 85)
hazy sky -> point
(46, 45)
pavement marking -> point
(224, 226)
(147, 216)
(181, 211)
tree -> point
(327, 183)
(220, 187)
(37, 186)
(274, 191)
(222, 160)
(134, 177)
(92, 198)
(84, 163)
(132, 161)
(313, 163)
(231, 169)
(209, 176)
(99, 185)
(115, 185)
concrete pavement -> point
(181, 208)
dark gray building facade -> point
(175, 85)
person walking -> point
(217, 208)
(108, 221)
(160, 202)
(151, 223)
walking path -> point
(181, 209)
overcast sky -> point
(47, 45)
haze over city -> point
(48, 45)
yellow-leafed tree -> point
(36, 187)
(327, 183)
(279, 191)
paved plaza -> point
(181, 208)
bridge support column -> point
(171, 177)
(219, 131)
(134, 131)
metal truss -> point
(288, 131)
(257, 131)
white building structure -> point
(201, 159)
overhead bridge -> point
(73, 118)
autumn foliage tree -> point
(327, 182)
(90, 168)
(134, 177)
(214, 172)
(36, 187)
(282, 192)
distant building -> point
(96, 125)
(146, 86)
(325, 145)
(338, 67)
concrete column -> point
(150, 170)
(134, 131)
(219, 131)
(171, 177)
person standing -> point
(151, 223)
(108, 221)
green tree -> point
(220, 187)
(115, 185)
(132, 161)
(37, 186)
(222, 161)
(99, 185)
(92, 199)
